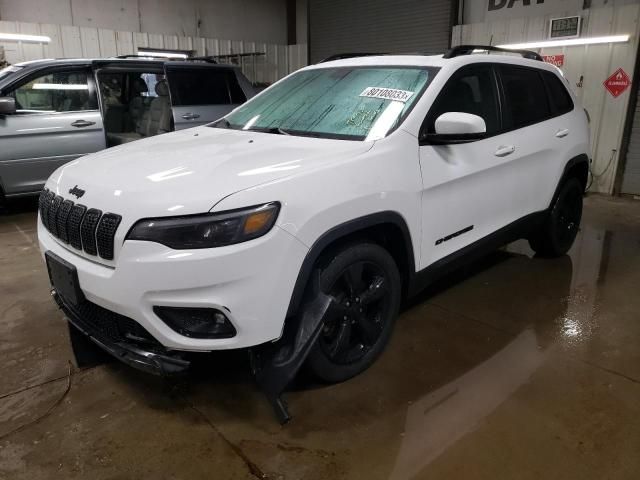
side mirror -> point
(7, 105)
(456, 127)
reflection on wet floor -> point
(515, 367)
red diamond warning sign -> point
(617, 83)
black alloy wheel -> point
(559, 231)
(365, 284)
(568, 216)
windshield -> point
(5, 72)
(353, 103)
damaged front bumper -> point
(148, 357)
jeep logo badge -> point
(78, 192)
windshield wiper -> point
(276, 130)
(222, 123)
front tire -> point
(561, 226)
(365, 282)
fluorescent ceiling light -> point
(153, 53)
(60, 86)
(568, 42)
(18, 37)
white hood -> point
(190, 171)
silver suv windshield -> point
(5, 72)
(351, 103)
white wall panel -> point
(258, 20)
(297, 56)
(593, 63)
(107, 39)
(53, 49)
(125, 42)
(70, 41)
(90, 43)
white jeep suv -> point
(296, 224)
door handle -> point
(562, 133)
(190, 116)
(504, 150)
(82, 123)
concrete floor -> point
(516, 368)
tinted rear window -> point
(525, 95)
(561, 102)
(204, 86)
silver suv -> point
(53, 111)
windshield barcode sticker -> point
(387, 93)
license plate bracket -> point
(64, 278)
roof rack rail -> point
(207, 59)
(132, 55)
(235, 56)
(340, 56)
(150, 57)
(469, 49)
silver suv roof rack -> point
(469, 49)
(207, 59)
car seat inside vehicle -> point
(135, 105)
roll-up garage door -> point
(631, 175)
(385, 26)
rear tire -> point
(365, 282)
(561, 226)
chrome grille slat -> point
(82, 228)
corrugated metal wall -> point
(592, 64)
(69, 42)
(378, 26)
(256, 20)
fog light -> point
(196, 322)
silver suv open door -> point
(203, 93)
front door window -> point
(55, 92)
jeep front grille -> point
(82, 228)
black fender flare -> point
(275, 364)
(578, 159)
(341, 231)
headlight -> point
(208, 230)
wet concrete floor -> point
(517, 367)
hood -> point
(189, 171)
